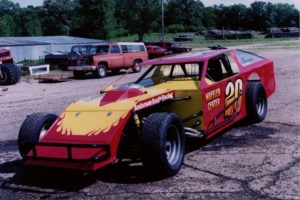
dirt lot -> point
(260, 161)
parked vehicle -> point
(61, 59)
(10, 74)
(172, 46)
(184, 38)
(113, 57)
(195, 95)
(157, 51)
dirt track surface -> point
(260, 161)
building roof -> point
(45, 40)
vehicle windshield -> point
(81, 50)
(161, 73)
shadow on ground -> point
(121, 172)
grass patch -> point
(201, 42)
(32, 62)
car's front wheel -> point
(34, 127)
(101, 71)
(163, 144)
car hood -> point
(98, 118)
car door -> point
(223, 90)
(116, 57)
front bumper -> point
(82, 68)
(80, 153)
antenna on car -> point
(216, 47)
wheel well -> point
(139, 59)
(254, 77)
(103, 63)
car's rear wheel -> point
(137, 66)
(256, 102)
(34, 127)
(101, 71)
(163, 144)
(10, 74)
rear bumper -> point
(82, 68)
(80, 156)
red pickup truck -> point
(113, 57)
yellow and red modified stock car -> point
(197, 94)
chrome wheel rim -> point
(260, 105)
(102, 72)
(137, 67)
(173, 145)
(44, 130)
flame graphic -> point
(88, 123)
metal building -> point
(34, 48)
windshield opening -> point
(161, 73)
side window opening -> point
(83, 50)
(124, 48)
(221, 67)
(115, 49)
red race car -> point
(196, 95)
(157, 51)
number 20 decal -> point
(233, 98)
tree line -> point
(106, 19)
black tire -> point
(32, 128)
(256, 102)
(11, 74)
(101, 71)
(163, 144)
(136, 68)
(79, 74)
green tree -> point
(56, 16)
(7, 26)
(139, 16)
(185, 12)
(286, 15)
(8, 8)
(98, 18)
(28, 21)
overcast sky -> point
(25, 3)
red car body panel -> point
(156, 51)
(215, 118)
(5, 55)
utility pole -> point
(162, 20)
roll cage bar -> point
(182, 66)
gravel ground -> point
(260, 161)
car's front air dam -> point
(65, 148)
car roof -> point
(190, 57)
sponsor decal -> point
(154, 101)
(213, 99)
(233, 98)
